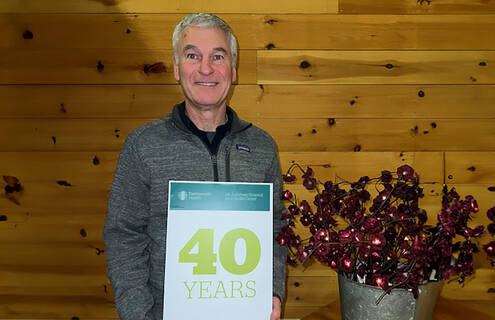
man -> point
(202, 140)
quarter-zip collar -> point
(233, 126)
(219, 134)
(236, 126)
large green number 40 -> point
(205, 257)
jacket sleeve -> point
(279, 252)
(125, 236)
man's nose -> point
(205, 67)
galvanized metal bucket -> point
(358, 302)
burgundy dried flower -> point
(405, 172)
(386, 176)
(372, 225)
(491, 228)
(309, 183)
(490, 248)
(286, 195)
(491, 214)
(288, 177)
(308, 173)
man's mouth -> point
(206, 84)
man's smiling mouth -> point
(206, 84)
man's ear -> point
(176, 71)
(234, 74)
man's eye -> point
(191, 56)
(218, 57)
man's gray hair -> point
(204, 20)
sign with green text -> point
(219, 251)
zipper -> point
(227, 161)
(215, 166)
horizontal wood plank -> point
(416, 7)
(56, 307)
(380, 134)
(174, 6)
(50, 257)
(311, 291)
(303, 32)
(252, 101)
(353, 165)
(376, 67)
(470, 167)
(99, 66)
(290, 134)
(73, 187)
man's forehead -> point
(188, 32)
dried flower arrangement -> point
(384, 242)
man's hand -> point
(276, 309)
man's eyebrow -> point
(189, 46)
(220, 49)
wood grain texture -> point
(375, 67)
(445, 309)
(470, 167)
(353, 165)
(290, 134)
(80, 66)
(174, 6)
(302, 31)
(252, 101)
(416, 7)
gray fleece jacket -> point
(136, 222)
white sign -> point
(219, 251)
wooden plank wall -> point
(350, 87)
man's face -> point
(205, 66)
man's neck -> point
(206, 119)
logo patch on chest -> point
(243, 147)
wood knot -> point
(270, 46)
(28, 35)
(433, 125)
(482, 64)
(331, 121)
(357, 148)
(62, 108)
(472, 168)
(299, 134)
(352, 102)
(426, 132)
(54, 140)
(296, 284)
(450, 176)
(64, 183)
(100, 66)
(3, 217)
(389, 66)
(304, 64)
(158, 67)
(313, 131)
(415, 130)
(492, 188)
(96, 161)
(83, 233)
(421, 93)
(128, 31)
(271, 21)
